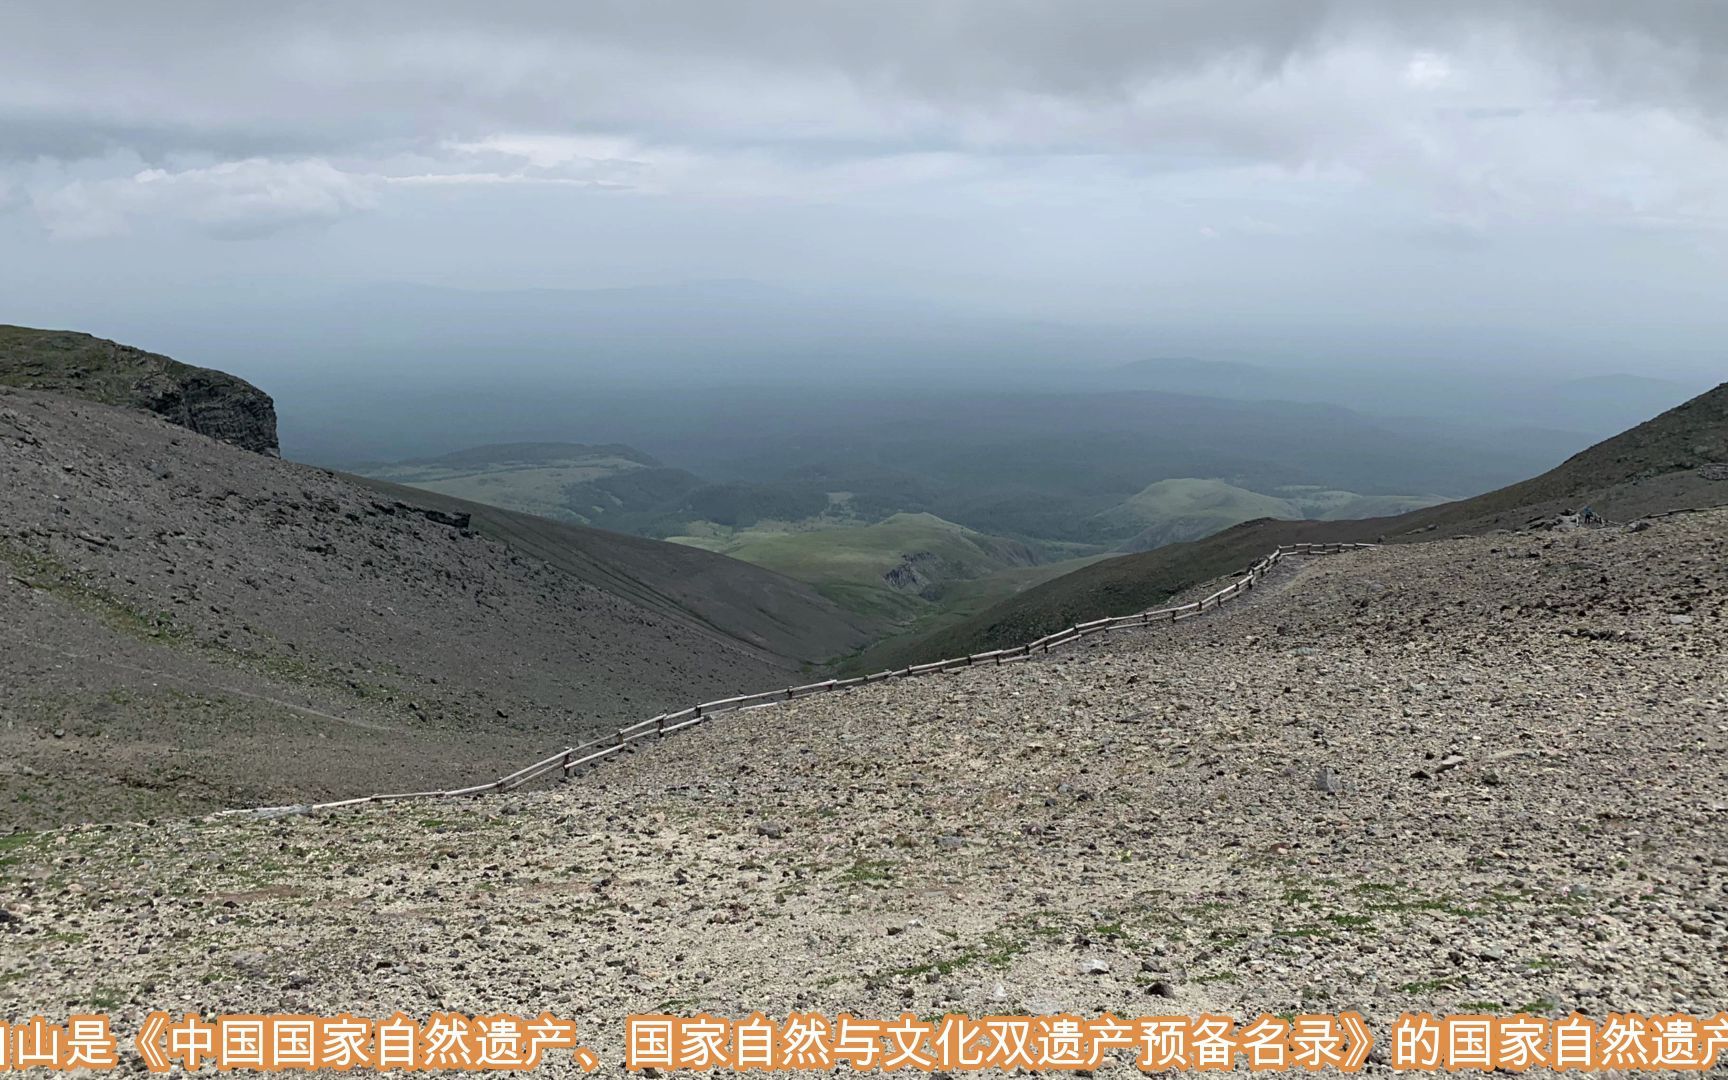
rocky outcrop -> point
(216, 404)
(916, 573)
(209, 402)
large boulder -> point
(209, 402)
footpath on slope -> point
(596, 750)
(1474, 776)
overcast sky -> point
(1549, 172)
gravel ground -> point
(1477, 774)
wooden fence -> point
(655, 727)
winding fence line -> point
(655, 727)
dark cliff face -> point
(209, 402)
(216, 404)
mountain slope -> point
(290, 633)
(1678, 459)
(212, 403)
(1662, 464)
(732, 599)
(1474, 776)
(1171, 511)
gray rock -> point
(250, 961)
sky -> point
(1543, 181)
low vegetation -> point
(916, 552)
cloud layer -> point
(235, 199)
(1484, 107)
(1096, 132)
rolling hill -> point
(534, 478)
(613, 486)
(1036, 465)
(844, 532)
(892, 569)
(1676, 460)
(1171, 511)
(1183, 509)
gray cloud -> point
(333, 78)
(1095, 157)
(237, 200)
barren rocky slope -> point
(185, 625)
(1479, 774)
(734, 598)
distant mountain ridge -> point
(1592, 405)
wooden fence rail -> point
(656, 727)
